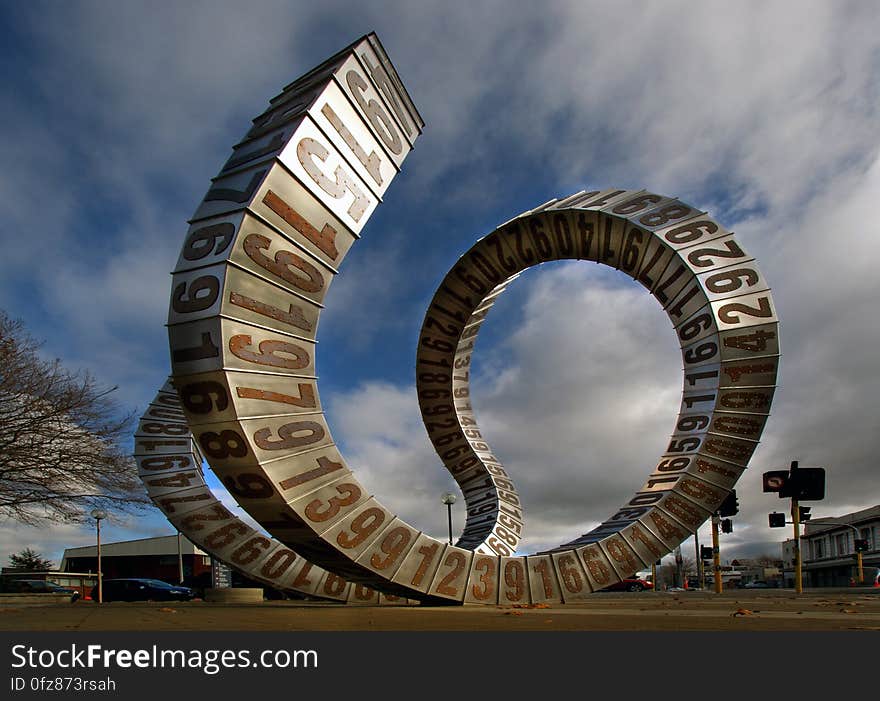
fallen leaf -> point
(530, 606)
(742, 612)
(165, 609)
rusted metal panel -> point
(329, 504)
(387, 553)
(339, 120)
(300, 474)
(266, 254)
(373, 109)
(543, 583)
(316, 163)
(420, 564)
(573, 582)
(597, 566)
(482, 583)
(358, 528)
(286, 205)
(513, 584)
(452, 574)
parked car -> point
(758, 584)
(630, 584)
(39, 586)
(136, 589)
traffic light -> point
(809, 484)
(730, 506)
(777, 520)
(861, 545)
(705, 552)
(804, 513)
(805, 483)
(726, 525)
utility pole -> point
(716, 554)
(796, 521)
(98, 515)
(859, 567)
(800, 484)
(179, 560)
(678, 567)
(699, 560)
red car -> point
(630, 584)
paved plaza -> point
(779, 610)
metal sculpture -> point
(248, 288)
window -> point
(818, 550)
(841, 543)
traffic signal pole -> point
(701, 575)
(716, 554)
(796, 520)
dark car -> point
(137, 589)
(630, 584)
(39, 586)
(758, 584)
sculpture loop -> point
(247, 292)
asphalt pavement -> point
(748, 610)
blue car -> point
(136, 589)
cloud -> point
(575, 443)
(379, 429)
(117, 116)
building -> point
(81, 581)
(828, 556)
(168, 558)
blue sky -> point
(116, 115)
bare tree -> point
(60, 438)
(30, 560)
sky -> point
(116, 115)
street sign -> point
(775, 480)
(777, 520)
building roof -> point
(851, 519)
(161, 545)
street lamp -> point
(449, 500)
(179, 560)
(99, 514)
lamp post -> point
(449, 500)
(179, 560)
(99, 514)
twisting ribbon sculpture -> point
(247, 292)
